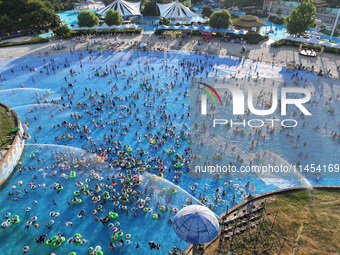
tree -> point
(39, 14)
(187, 3)
(279, 12)
(150, 9)
(164, 21)
(107, 2)
(6, 24)
(113, 17)
(28, 13)
(87, 19)
(228, 3)
(301, 18)
(63, 31)
(220, 19)
(207, 11)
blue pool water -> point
(141, 227)
(70, 17)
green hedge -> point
(251, 38)
(34, 40)
(284, 42)
(259, 14)
(327, 32)
(276, 19)
(105, 32)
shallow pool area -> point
(84, 110)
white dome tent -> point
(175, 11)
(124, 7)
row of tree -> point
(89, 18)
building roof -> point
(320, 3)
(175, 10)
(248, 21)
(196, 224)
(125, 8)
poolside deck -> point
(261, 52)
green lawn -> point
(7, 123)
(328, 32)
(311, 223)
(309, 220)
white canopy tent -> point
(106, 27)
(327, 44)
(314, 40)
(124, 7)
(175, 10)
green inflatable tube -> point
(117, 236)
(49, 242)
(15, 129)
(58, 245)
(17, 219)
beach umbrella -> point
(196, 224)
(143, 45)
(252, 188)
(114, 27)
(89, 2)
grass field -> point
(310, 220)
(7, 123)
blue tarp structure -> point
(162, 27)
(196, 224)
(201, 28)
(210, 29)
(172, 27)
(231, 31)
(221, 30)
(191, 28)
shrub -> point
(63, 31)
(284, 42)
(276, 19)
(34, 40)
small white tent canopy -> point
(175, 10)
(314, 40)
(125, 8)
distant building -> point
(324, 13)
